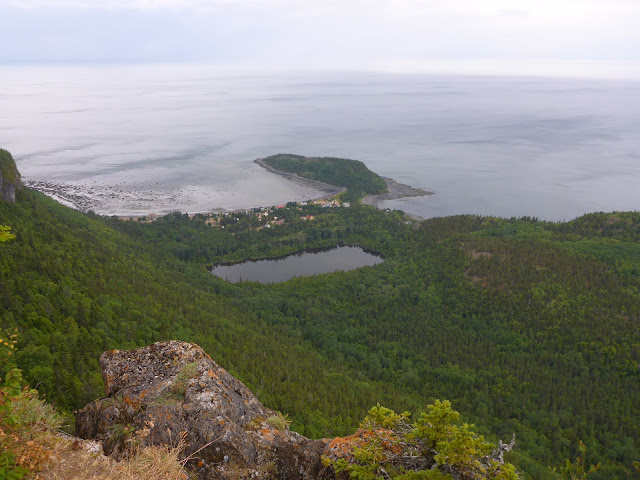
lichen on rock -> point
(158, 394)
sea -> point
(139, 139)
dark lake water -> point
(302, 264)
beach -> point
(329, 190)
(139, 200)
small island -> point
(357, 182)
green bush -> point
(279, 421)
(187, 372)
(388, 442)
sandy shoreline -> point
(330, 190)
(138, 202)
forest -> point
(8, 172)
(527, 327)
(351, 174)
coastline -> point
(330, 190)
(143, 202)
(395, 190)
(86, 197)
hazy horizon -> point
(501, 107)
(160, 138)
(530, 37)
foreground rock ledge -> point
(156, 394)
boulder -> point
(173, 390)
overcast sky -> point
(407, 35)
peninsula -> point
(328, 189)
(356, 180)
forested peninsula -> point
(355, 178)
(350, 174)
(527, 327)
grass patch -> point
(187, 372)
(279, 421)
(178, 389)
(120, 432)
(254, 424)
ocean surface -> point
(152, 139)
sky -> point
(591, 36)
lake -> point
(152, 139)
(302, 264)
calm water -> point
(157, 138)
(303, 264)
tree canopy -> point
(525, 326)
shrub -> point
(25, 420)
(279, 421)
(435, 447)
(187, 372)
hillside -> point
(74, 287)
(526, 326)
(505, 317)
(171, 412)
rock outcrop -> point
(9, 177)
(172, 393)
(171, 390)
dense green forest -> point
(352, 174)
(8, 171)
(526, 326)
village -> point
(257, 218)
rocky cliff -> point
(9, 177)
(172, 390)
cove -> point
(300, 264)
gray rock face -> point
(9, 177)
(169, 390)
(8, 192)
